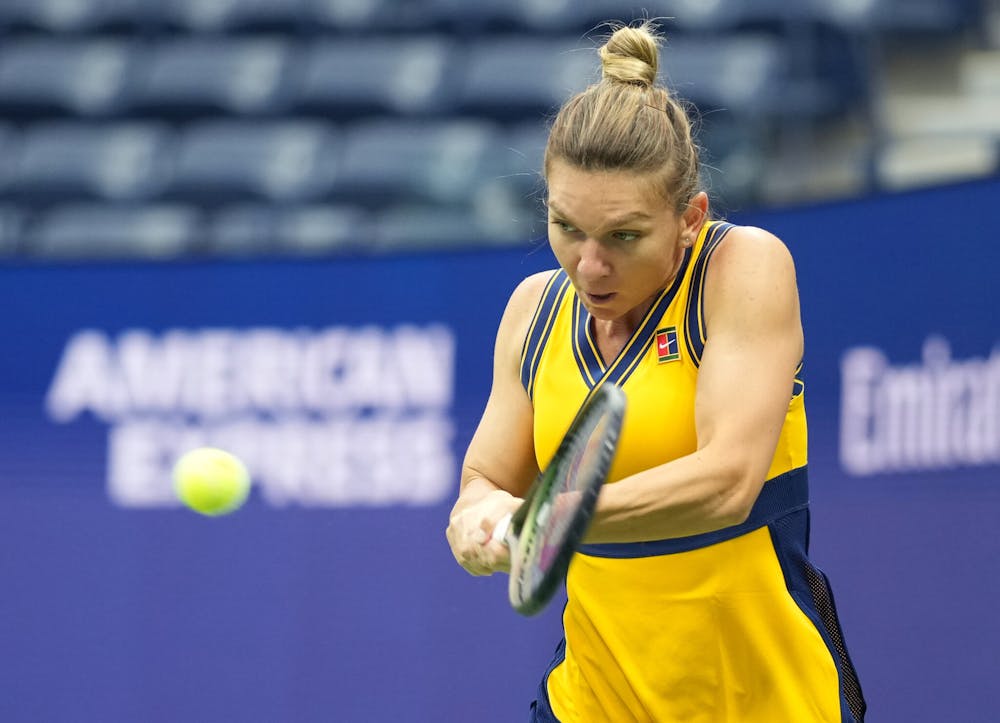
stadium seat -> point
(274, 160)
(75, 16)
(732, 159)
(320, 229)
(441, 161)
(93, 231)
(229, 16)
(345, 77)
(921, 161)
(743, 74)
(9, 141)
(204, 75)
(241, 230)
(486, 16)
(44, 77)
(67, 160)
(12, 220)
(417, 227)
(722, 16)
(368, 16)
(518, 78)
(521, 155)
(590, 16)
(297, 230)
(900, 16)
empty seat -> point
(417, 227)
(715, 16)
(321, 229)
(226, 16)
(513, 78)
(96, 231)
(12, 220)
(524, 154)
(928, 160)
(344, 16)
(830, 165)
(733, 160)
(307, 230)
(743, 73)
(274, 160)
(76, 16)
(901, 16)
(490, 15)
(121, 161)
(8, 143)
(61, 76)
(241, 230)
(212, 75)
(352, 76)
(443, 161)
(566, 16)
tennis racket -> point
(545, 531)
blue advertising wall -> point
(351, 387)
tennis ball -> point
(211, 481)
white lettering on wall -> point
(935, 414)
(331, 417)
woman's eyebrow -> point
(619, 221)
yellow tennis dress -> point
(733, 625)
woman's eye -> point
(564, 227)
(625, 235)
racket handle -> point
(501, 529)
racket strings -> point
(560, 504)
(587, 457)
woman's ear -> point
(694, 216)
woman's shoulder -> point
(750, 238)
(751, 269)
(528, 293)
(745, 247)
(521, 306)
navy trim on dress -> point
(780, 496)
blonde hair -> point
(626, 122)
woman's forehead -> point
(576, 190)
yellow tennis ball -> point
(211, 481)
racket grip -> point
(501, 529)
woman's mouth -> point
(599, 298)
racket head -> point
(548, 527)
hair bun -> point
(631, 56)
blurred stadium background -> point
(239, 127)
(289, 227)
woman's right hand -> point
(470, 533)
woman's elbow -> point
(742, 486)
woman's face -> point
(619, 241)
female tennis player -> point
(692, 598)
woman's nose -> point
(593, 262)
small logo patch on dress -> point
(667, 347)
